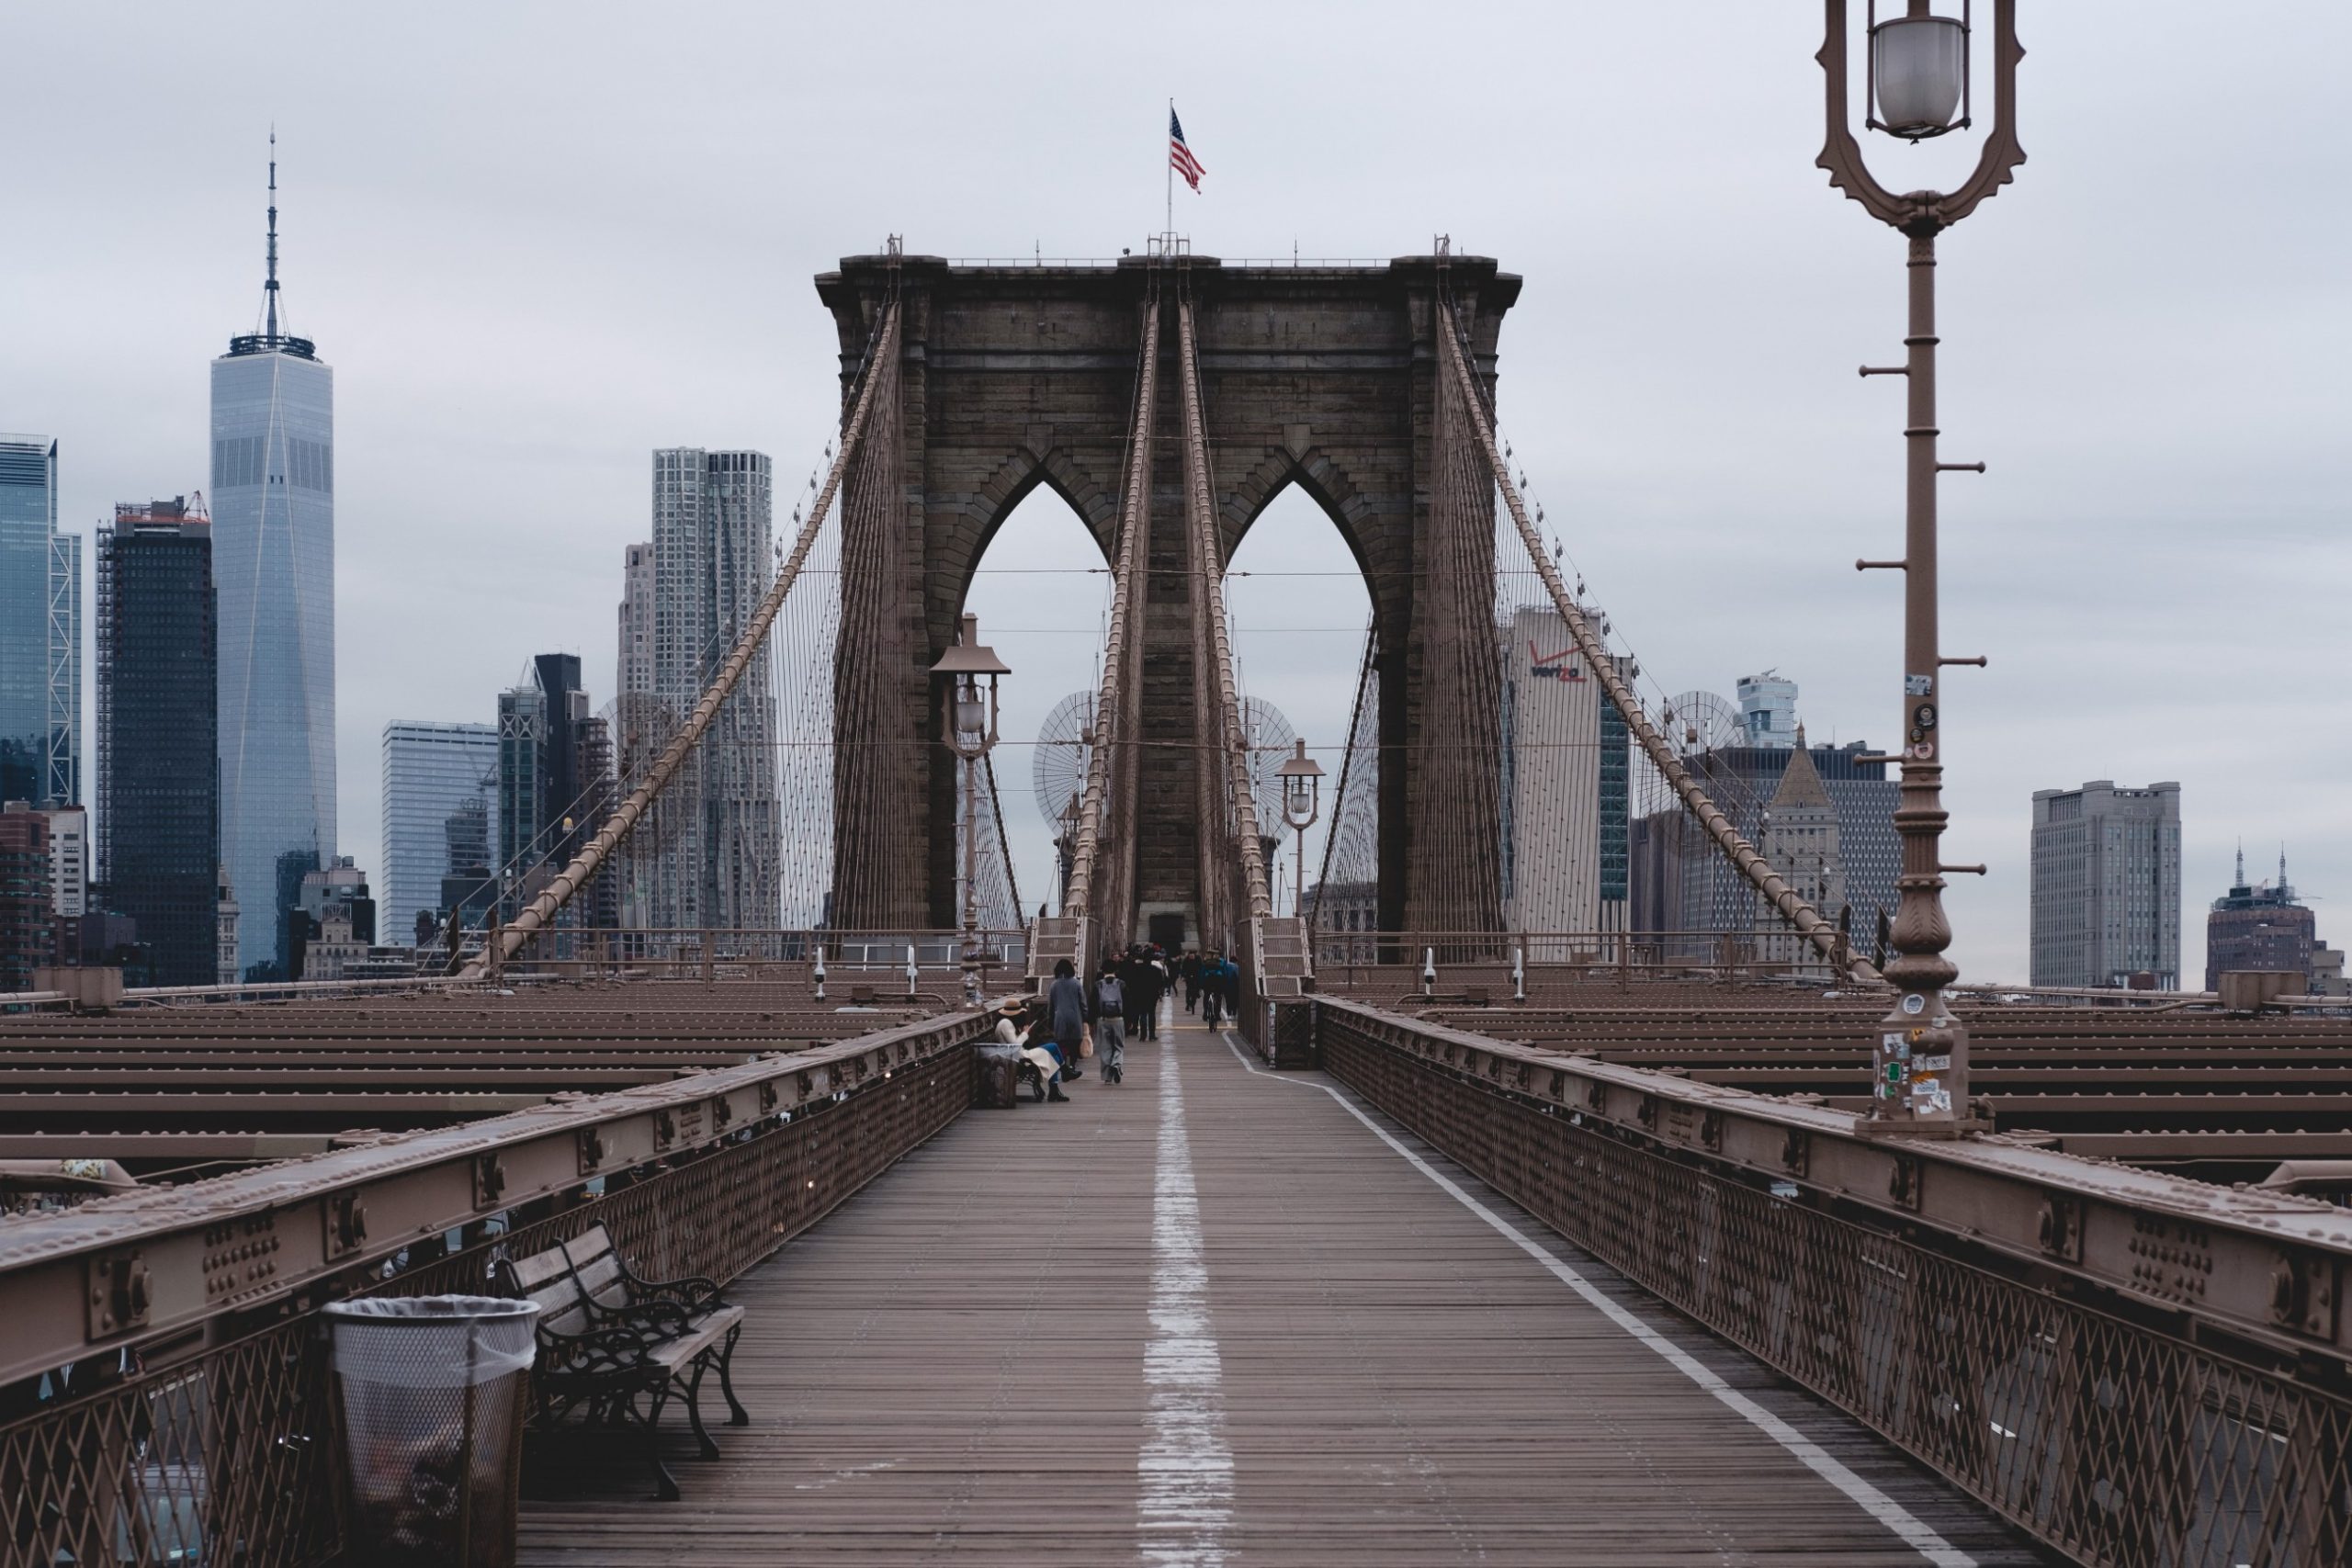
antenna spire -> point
(269, 288)
(2240, 863)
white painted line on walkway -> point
(1868, 1498)
(1185, 1466)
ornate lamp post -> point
(967, 721)
(1918, 86)
(1301, 804)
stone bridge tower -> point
(1325, 378)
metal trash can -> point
(430, 1390)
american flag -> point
(1180, 157)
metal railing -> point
(2137, 1369)
(764, 949)
(162, 1390)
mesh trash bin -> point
(430, 1390)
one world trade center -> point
(273, 559)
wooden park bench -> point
(614, 1348)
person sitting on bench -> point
(1040, 1063)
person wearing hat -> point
(1046, 1065)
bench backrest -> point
(571, 1278)
(597, 1268)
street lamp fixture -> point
(1918, 72)
(1919, 78)
(968, 719)
(1301, 804)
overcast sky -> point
(535, 241)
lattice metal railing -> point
(2135, 1443)
(230, 1456)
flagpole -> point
(1171, 231)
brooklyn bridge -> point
(1468, 1236)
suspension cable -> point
(1792, 906)
(625, 820)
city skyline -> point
(2201, 439)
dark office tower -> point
(273, 506)
(158, 741)
(567, 710)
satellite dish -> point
(1065, 750)
(1698, 722)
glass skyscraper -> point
(41, 631)
(158, 797)
(431, 773)
(273, 542)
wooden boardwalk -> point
(1214, 1316)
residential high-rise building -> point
(27, 922)
(158, 746)
(430, 771)
(69, 862)
(41, 631)
(225, 911)
(2261, 927)
(634, 670)
(1768, 706)
(2106, 884)
(273, 537)
(710, 854)
(1563, 787)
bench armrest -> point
(693, 1291)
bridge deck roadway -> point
(1214, 1316)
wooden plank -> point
(955, 1364)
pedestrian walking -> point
(1188, 969)
(1068, 1006)
(1109, 1024)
